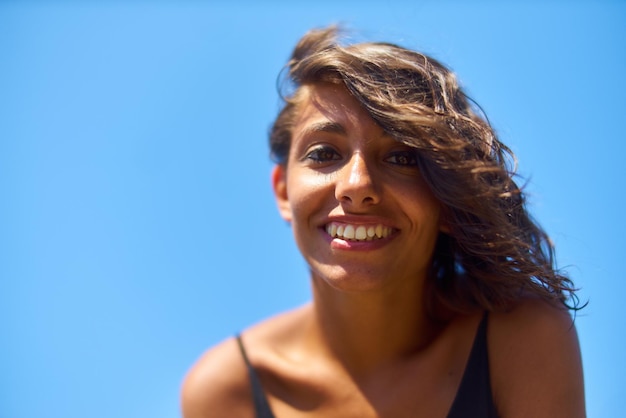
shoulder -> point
(535, 361)
(217, 384)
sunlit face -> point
(361, 213)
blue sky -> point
(137, 225)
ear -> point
(444, 225)
(279, 184)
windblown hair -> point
(493, 253)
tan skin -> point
(365, 346)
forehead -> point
(333, 108)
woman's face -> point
(361, 213)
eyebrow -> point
(324, 127)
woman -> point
(434, 293)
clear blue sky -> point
(137, 225)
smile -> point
(353, 232)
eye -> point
(403, 158)
(323, 154)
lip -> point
(339, 243)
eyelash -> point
(324, 154)
(410, 156)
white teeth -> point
(348, 232)
(357, 232)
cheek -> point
(423, 207)
(307, 189)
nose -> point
(356, 184)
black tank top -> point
(473, 398)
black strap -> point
(474, 398)
(261, 406)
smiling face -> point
(361, 213)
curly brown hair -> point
(493, 253)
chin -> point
(342, 280)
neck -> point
(366, 330)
